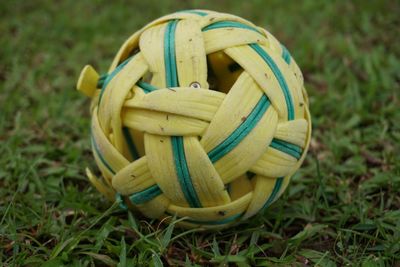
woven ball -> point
(202, 116)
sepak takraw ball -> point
(202, 115)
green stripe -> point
(131, 145)
(120, 201)
(146, 87)
(182, 171)
(241, 132)
(212, 222)
(288, 148)
(101, 80)
(229, 24)
(108, 77)
(105, 163)
(169, 54)
(281, 80)
(178, 150)
(197, 12)
(285, 54)
(275, 191)
(145, 195)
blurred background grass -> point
(342, 207)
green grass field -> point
(341, 209)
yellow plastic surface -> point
(157, 148)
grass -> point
(341, 209)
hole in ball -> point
(195, 85)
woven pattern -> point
(202, 115)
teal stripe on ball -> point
(241, 132)
(131, 145)
(183, 174)
(275, 191)
(288, 148)
(102, 159)
(108, 77)
(178, 149)
(279, 76)
(101, 80)
(285, 54)
(229, 24)
(169, 55)
(145, 195)
(120, 201)
(146, 87)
